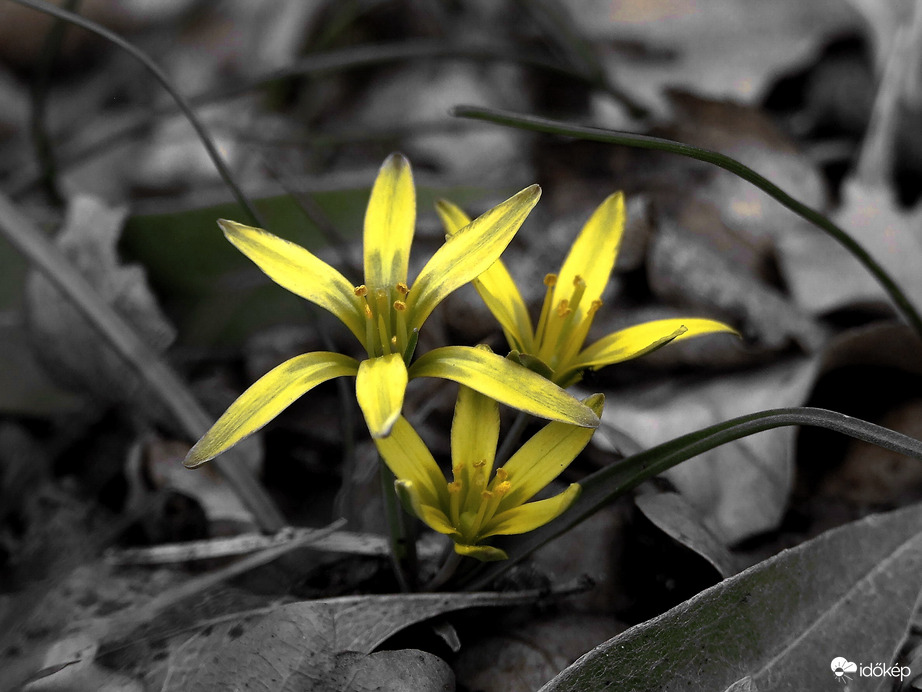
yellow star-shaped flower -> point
(385, 313)
(479, 503)
(571, 301)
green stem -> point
(511, 440)
(395, 527)
(598, 134)
(144, 59)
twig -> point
(161, 379)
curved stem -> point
(598, 134)
(141, 56)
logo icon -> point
(840, 666)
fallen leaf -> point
(677, 518)
(297, 646)
(741, 488)
(73, 351)
(850, 592)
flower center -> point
(386, 329)
(472, 500)
(561, 328)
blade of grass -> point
(598, 134)
(319, 64)
(159, 377)
(144, 59)
(38, 93)
(615, 480)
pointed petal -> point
(484, 553)
(642, 338)
(496, 287)
(468, 254)
(474, 429)
(297, 270)
(530, 516)
(593, 253)
(545, 456)
(504, 381)
(432, 516)
(389, 223)
(379, 387)
(266, 398)
(407, 456)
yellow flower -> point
(571, 301)
(479, 503)
(385, 314)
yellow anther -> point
(402, 288)
(550, 279)
(501, 474)
(563, 308)
(399, 305)
(394, 343)
(368, 313)
(486, 495)
(480, 464)
(457, 469)
(454, 487)
(594, 306)
(361, 291)
(503, 488)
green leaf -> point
(605, 485)
(849, 593)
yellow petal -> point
(545, 456)
(484, 553)
(529, 517)
(504, 381)
(642, 338)
(496, 287)
(468, 253)
(294, 268)
(432, 516)
(593, 254)
(407, 456)
(474, 429)
(379, 387)
(266, 398)
(389, 223)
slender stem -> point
(39, 93)
(511, 440)
(395, 529)
(141, 56)
(597, 134)
(156, 374)
(446, 572)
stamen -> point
(550, 281)
(501, 474)
(383, 335)
(579, 288)
(402, 288)
(400, 308)
(454, 502)
(360, 291)
(563, 308)
(577, 337)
